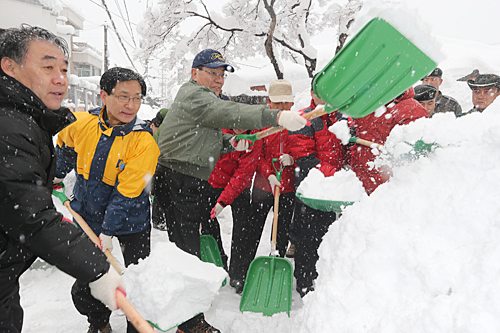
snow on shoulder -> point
(171, 286)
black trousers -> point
(134, 247)
(11, 312)
(262, 202)
(182, 203)
(310, 227)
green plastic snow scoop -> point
(209, 251)
(324, 205)
(374, 67)
(269, 282)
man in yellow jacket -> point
(114, 156)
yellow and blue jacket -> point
(114, 166)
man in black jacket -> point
(33, 82)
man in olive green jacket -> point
(191, 141)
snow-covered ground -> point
(419, 255)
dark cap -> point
(437, 72)
(425, 92)
(484, 80)
(211, 59)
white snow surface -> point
(342, 186)
(418, 255)
(171, 286)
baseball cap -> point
(484, 80)
(211, 59)
(425, 92)
(280, 91)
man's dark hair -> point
(15, 42)
(111, 77)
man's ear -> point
(104, 96)
(8, 66)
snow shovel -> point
(269, 281)
(133, 316)
(374, 67)
(209, 251)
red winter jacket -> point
(400, 111)
(234, 171)
(315, 144)
(273, 147)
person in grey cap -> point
(443, 103)
(485, 89)
(425, 94)
(191, 141)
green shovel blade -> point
(268, 286)
(324, 205)
(373, 68)
(210, 252)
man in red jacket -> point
(376, 127)
(231, 180)
(313, 147)
(275, 146)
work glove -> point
(239, 145)
(105, 242)
(273, 181)
(286, 160)
(104, 289)
(57, 180)
(219, 206)
(292, 120)
(326, 169)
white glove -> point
(106, 243)
(286, 160)
(216, 210)
(104, 289)
(57, 180)
(240, 145)
(291, 120)
(273, 181)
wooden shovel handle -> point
(93, 237)
(272, 130)
(368, 143)
(133, 316)
(275, 218)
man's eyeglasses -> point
(220, 76)
(125, 99)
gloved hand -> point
(104, 289)
(326, 169)
(106, 243)
(286, 160)
(57, 180)
(219, 206)
(292, 120)
(273, 181)
(239, 145)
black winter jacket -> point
(30, 226)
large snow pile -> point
(171, 286)
(421, 253)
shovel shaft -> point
(275, 218)
(273, 130)
(133, 316)
(366, 143)
(93, 237)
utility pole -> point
(105, 47)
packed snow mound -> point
(171, 286)
(344, 185)
(421, 253)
